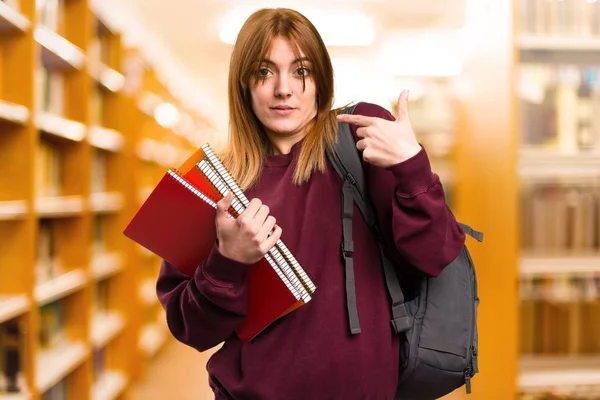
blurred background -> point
(99, 98)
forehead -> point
(283, 50)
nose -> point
(283, 88)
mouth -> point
(282, 108)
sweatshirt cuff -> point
(222, 270)
(413, 176)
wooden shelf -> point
(11, 112)
(53, 365)
(147, 103)
(71, 65)
(10, 210)
(60, 127)
(547, 266)
(106, 265)
(62, 206)
(105, 139)
(566, 43)
(15, 396)
(104, 202)
(152, 338)
(12, 20)
(554, 372)
(107, 77)
(58, 52)
(109, 386)
(147, 293)
(13, 306)
(60, 286)
(154, 151)
(105, 327)
(541, 163)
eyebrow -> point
(296, 61)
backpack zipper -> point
(468, 373)
(474, 367)
(468, 379)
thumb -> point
(402, 111)
(224, 204)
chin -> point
(283, 129)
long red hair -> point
(248, 144)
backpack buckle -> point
(347, 248)
(402, 324)
(401, 319)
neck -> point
(284, 144)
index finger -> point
(360, 120)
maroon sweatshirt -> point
(310, 354)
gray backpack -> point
(436, 318)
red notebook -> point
(177, 223)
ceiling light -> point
(337, 28)
(415, 54)
(167, 115)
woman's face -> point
(281, 101)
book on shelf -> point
(98, 171)
(97, 106)
(56, 392)
(574, 228)
(560, 106)
(559, 18)
(99, 357)
(50, 90)
(177, 223)
(50, 13)
(11, 357)
(48, 265)
(52, 333)
(101, 300)
(48, 169)
(559, 315)
(98, 240)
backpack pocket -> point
(419, 386)
(443, 355)
(448, 324)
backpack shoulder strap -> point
(471, 232)
(346, 161)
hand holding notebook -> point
(246, 239)
(177, 223)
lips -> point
(282, 111)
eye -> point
(263, 72)
(303, 71)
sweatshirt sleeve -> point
(206, 309)
(411, 208)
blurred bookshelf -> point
(433, 115)
(79, 318)
(558, 89)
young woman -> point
(281, 122)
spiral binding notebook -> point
(177, 222)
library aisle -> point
(505, 97)
(177, 372)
